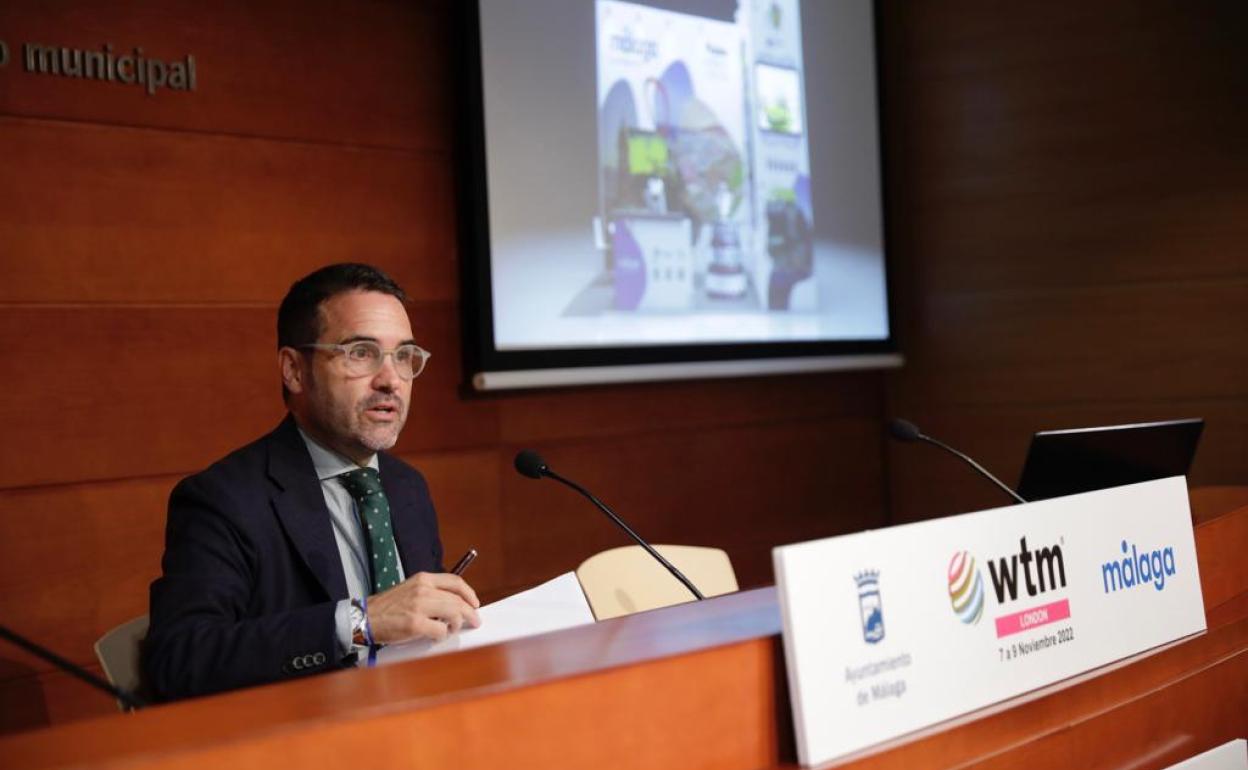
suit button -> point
(297, 663)
(319, 659)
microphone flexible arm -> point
(130, 699)
(973, 464)
(545, 471)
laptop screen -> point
(1066, 462)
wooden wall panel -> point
(89, 552)
(927, 482)
(1067, 188)
(139, 391)
(744, 489)
(376, 73)
(179, 387)
(145, 243)
(1001, 243)
(742, 465)
(100, 214)
(1138, 342)
(620, 410)
(33, 701)
(467, 492)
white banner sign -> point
(892, 630)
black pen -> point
(464, 561)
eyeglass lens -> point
(365, 358)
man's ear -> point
(291, 365)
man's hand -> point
(428, 605)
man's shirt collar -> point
(329, 463)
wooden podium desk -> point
(699, 685)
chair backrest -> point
(627, 579)
(118, 651)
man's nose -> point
(387, 377)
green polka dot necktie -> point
(364, 486)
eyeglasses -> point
(364, 358)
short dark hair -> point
(299, 317)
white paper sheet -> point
(551, 606)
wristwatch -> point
(360, 635)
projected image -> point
(660, 173)
(686, 225)
(779, 105)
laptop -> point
(1066, 462)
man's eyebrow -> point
(366, 338)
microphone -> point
(131, 700)
(904, 430)
(531, 464)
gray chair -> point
(118, 651)
(625, 580)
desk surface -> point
(699, 684)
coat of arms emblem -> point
(871, 609)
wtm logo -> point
(1011, 576)
(870, 606)
(966, 588)
(1137, 569)
(1005, 573)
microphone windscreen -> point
(903, 430)
(530, 463)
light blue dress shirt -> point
(348, 533)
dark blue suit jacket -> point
(251, 573)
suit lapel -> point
(300, 506)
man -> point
(307, 549)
